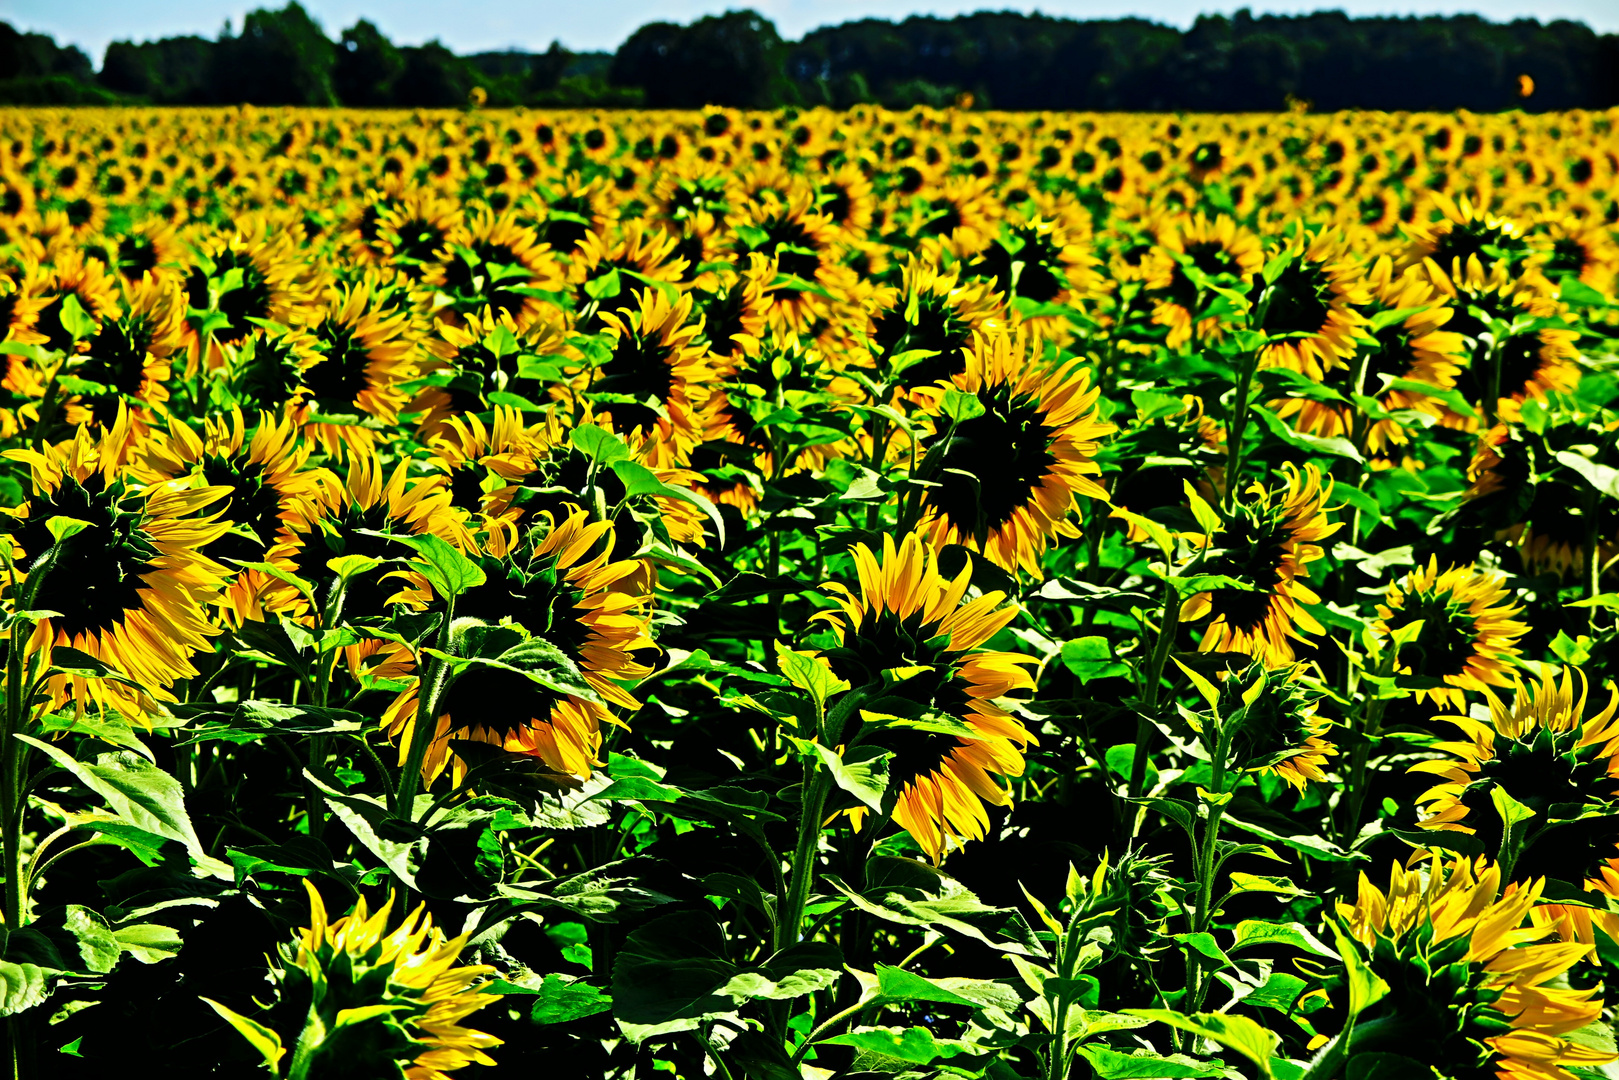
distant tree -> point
(280, 58)
(368, 66)
(434, 78)
(172, 71)
(731, 59)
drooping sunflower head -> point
(1470, 991)
(1010, 475)
(1468, 634)
(914, 634)
(654, 382)
(355, 998)
(1219, 249)
(924, 329)
(131, 586)
(1268, 719)
(562, 625)
(1267, 544)
(1309, 308)
(1462, 231)
(1545, 751)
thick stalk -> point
(1239, 426)
(801, 872)
(1370, 727)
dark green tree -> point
(368, 65)
(280, 58)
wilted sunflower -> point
(132, 586)
(566, 597)
(1547, 754)
(1468, 994)
(1008, 478)
(358, 999)
(1268, 543)
(1313, 301)
(908, 618)
(1468, 633)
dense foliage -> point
(1005, 60)
(803, 594)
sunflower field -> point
(808, 594)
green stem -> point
(801, 872)
(421, 733)
(1239, 426)
(1167, 627)
(1369, 729)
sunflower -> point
(358, 998)
(845, 195)
(1009, 477)
(1586, 251)
(806, 247)
(1267, 544)
(909, 624)
(1310, 306)
(1469, 993)
(487, 466)
(608, 272)
(1413, 349)
(1460, 233)
(1468, 634)
(132, 586)
(564, 591)
(129, 353)
(1218, 247)
(481, 359)
(957, 216)
(653, 384)
(253, 273)
(363, 353)
(353, 516)
(1271, 721)
(148, 247)
(1547, 754)
(923, 330)
(496, 261)
(411, 233)
(268, 490)
(86, 280)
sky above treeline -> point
(586, 25)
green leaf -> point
(63, 527)
(1239, 1033)
(1143, 1065)
(897, 984)
(1366, 988)
(599, 445)
(1604, 478)
(140, 794)
(265, 1041)
(1378, 1065)
(446, 569)
(74, 319)
(1254, 933)
(561, 999)
(960, 406)
(22, 986)
(1335, 447)
(640, 480)
(809, 673)
(98, 947)
(148, 942)
(915, 1045)
(862, 771)
(1092, 658)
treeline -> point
(284, 57)
(1002, 60)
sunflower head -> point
(1549, 752)
(1307, 305)
(913, 639)
(354, 998)
(1013, 460)
(1470, 990)
(1467, 636)
(1263, 721)
(1266, 545)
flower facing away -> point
(1010, 476)
(1468, 634)
(1472, 991)
(1267, 545)
(566, 602)
(1549, 753)
(364, 1001)
(909, 625)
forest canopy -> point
(1004, 60)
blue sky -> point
(475, 25)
